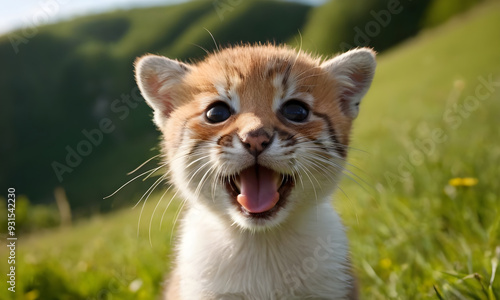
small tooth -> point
(278, 178)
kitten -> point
(256, 138)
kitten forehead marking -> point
(258, 82)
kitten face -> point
(255, 135)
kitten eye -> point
(295, 111)
(218, 112)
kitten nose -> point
(256, 141)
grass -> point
(412, 231)
(107, 257)
(413, 235)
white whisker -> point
(125, 184)
(168, 205)
(153, 214)
(141, 165)
(175, 219)
(151, 189)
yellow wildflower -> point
(32, 295)
(466, 181)
(459, 84)
(385, 263)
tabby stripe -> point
(288, 70)
(183, 129)
(339, 147)
(226, 140)
(228, 87)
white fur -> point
(306, 258)
(301, 253)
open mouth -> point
(259, 192)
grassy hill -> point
(422, 125)
(415, 227)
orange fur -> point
(252, 70)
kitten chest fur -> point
(306, 257)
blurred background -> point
(60, 79)
(73, 124)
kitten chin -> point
(256, 139)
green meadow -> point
(421, 196)
(422, 124)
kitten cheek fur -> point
(217, 255)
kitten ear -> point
(157, 77)
(354, 72)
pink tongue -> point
(259, 189)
